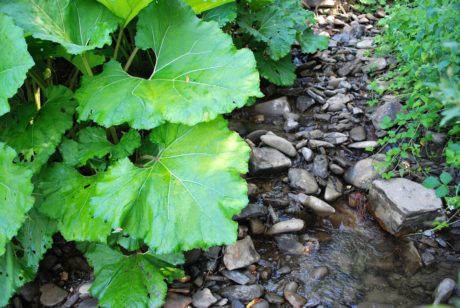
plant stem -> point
(37, 98)
(117, 45)
(86, 64)
(37, 80)
(113, 133)
(130, 59)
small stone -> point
(243, 293)
(363, 145)
(274, 107)
(252, 210)
(289, 244)
(290, 125)
(411, 258)
(254, 136)
(294, 299)
(257, 227)
(365, 44)
(203, 298)
(348, 68)
(268, 160)
(364, 172)
(313, 4)
(337, 103)
(175, 300)
(443, 291)
(335, 138)
(389, 109)
(320, 166)
(358, 133)
(318, 98)
(336, 169)
(401, 203)
(307, 154)
(240, 254)
(273, 298)
(318, 206)
(287, 226)
(334, 189)
(375, 64)
(428, 258)
(303, 103)
(88, 303)
(320, 144)
(303, 180)
(237, 277)
(320, 273)
(261, 304)
(280, 144)
(51, 294)
(84, 289)
(29, 291)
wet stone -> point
(303, 103)
(303, 180)
(334, 189)
(389, 109)
(320, 273)
(275, 107)
(252, 210)
(51, 294)
(279, 143)
(243, 293)
(307, 154)
(287, 226)
(363, 145)
(268, 160)
(289, 244)
(320, 166)
(88, 303)
(240, 254)
(318, 206)
(443, 291)
(175, 300)
(203, 298)
(237, 277)
(362, 173)
(358, 133)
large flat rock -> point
(401, 204)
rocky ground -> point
(319, 229)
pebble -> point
(358, 133)
(175, 300)
(88, 303)
(84, 289)
(289, 244)
(237, 277)
(307, 154)
(364, 172)
(243, 293)
(320, 273)
(336, 169)
(303, 103)
(240, 254)
(334, 189)
(274, 107)
(257, 227)
(335, 138)
(363, 145)
(443, 291)
(268, 160)
(279, 143)
(252, 210)
(287, 226)
(365, 44)
(318, 206)
(203, 298)
(303, 180)
(292, 297)
(320, 166)
(51, 294)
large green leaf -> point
(35, 136)
(310, 43)
(125, 9)
(137, 280)
(223, 14)
(281, 72)
(15, 195)
(198, 74)
(275, 24)
(66, 194)
(20, 262)
(15, 61)
(203, 5)
(78, 25)
(92, 143)
(186, 196)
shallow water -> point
(365, 265)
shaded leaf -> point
(15, 61)
(431, 182)
(137, 280)
(445, 177)
(186, 196)
(198, 74)
(442, 191)
(15, 195)
(311, 43)
(78, 25)
(125, 9)
(281, 72)
(223, 14)
(92, 142)
(20, 262)
(35, 136)
(203, 5)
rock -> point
(336, 169)
(304, 102)
(411, 258)
(320, 166)
(348, 67)
(287, 226)
(389, 109)
(290, 125)
(252, 210)
(29, 291)
(292, 297)
(318, 206)
(243, 293)
(334, 189)
(268, 160)
(253, 190)
(240, 254)
(335, 138)
(175, 300)
(365, 44)
(303, 180)
(443, 291)
(400, 203)
(273, 298)
(313, 4)
(203, 299)
(320, 144)
(88, 303)
(307, 154)
(363, 145)
(261, 304)
(84, 289)
(318, 98)
(51, 294)
(428, 258)
(280, 144)
(237, 277)
(375, 64)
(256, 226)
(358, 133)
(289, 244)
(274, 107)
(320, 272)
(337, 103)
(364, 172)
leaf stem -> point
(86, 65)
(113, 133)
(117, 45)
(130, 59)
(37, 98)
(37, 80)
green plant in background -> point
(269, 28)
(121, 146)
(419, 35)
(369, 5)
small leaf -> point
(203, 5)
(35, 136)
(281, 72)
(15, 195)
(125, 9)
(431, 182)
(78, 25)
(20, 262)
(137, 280)
(15, 61)
(223, 14)
(442, 191)
(311, 43)
(186, 197)
(198, 74)
(445, 177)
(66, 195)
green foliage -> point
(132, 162)
(440, 185)
(365, 6)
